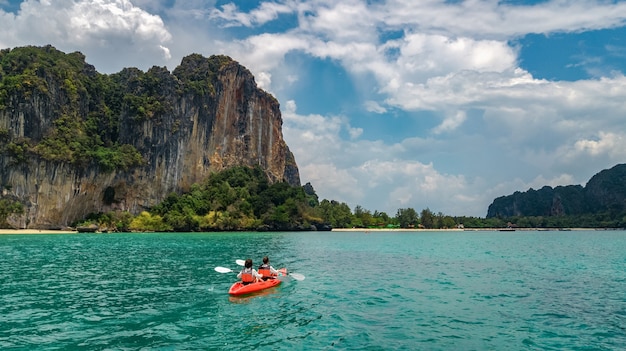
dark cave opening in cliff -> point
(109, 196)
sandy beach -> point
(391, 230)
(462, 230)
(36, 231)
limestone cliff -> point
(605, 193)
(75, 141)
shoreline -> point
(366, 230)
(35, 231)
(392, 230)
(470, 229)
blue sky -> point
(390, 104)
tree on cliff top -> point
(82, 118)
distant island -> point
(601, 203)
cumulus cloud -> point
(367, 172)
(433, 55)
(374, 106)
(230, 15)
(102, 29)
(342, 21)
(606, 144)
(314, 132)
(264, 52)
(499, 20)
(451, 123)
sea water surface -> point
(363, 291)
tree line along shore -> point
(243, 199)
(339, 230)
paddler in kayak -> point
(266, 270)
(248, 274)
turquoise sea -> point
(363, 291)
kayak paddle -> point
(223, 270)
(296, 276)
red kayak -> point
(239, 289)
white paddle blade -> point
(223, 270)
(240, 262)
(297, 276)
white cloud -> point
(374, 106)
(266, 12)
(264, 52)
(314, 133)
(264, 80)
(341, 21)
(498, 20)
(333, 183)
(105, 30)
(166, 52)
(369, 173)
(403, 183)
(451, 122)
(607, 144)
(433, 55)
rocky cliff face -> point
(205, 116)
(607, 189)
(604, 193)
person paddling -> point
(267, 270)
(248, 274)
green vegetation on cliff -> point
(84, 109)
(9, 207)
(82, 127)
(239, 198)
(198, 73)
(601, 203)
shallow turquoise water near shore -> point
(363, 291)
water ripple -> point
(376, 291)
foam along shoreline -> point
(36, 231)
